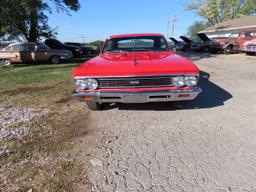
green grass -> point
(28, 82)
(51, 136)
(31, 84)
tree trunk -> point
(33, 30)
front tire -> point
(250, 53)
(95, 106)
(228, 50)
(55, 59)
(7, 62)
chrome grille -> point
(134, 82)
(251, 47)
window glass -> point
(109, 45)
(250, 35)
(30, 47)
(163, 44)
(135, 44)
(234, 35)
(18, 47)
(9, 48)
(40, 47)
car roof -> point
(73, 42)
(32, 43)
(134, 35)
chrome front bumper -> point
(139, 97)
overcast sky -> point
(99, 18)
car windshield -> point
(135, 44)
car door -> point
(26, 52)
(41, 53)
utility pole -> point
(171, 25)
(174, 20)
(83, 38)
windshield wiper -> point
(117, 51)
(141, 49)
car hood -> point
(187, 40)
(71, 47)
(174, 40)
(203, 37)
(135, 64)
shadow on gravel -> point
(194, 56)
(212, 96)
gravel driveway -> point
(208, 144)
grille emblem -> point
(135, 82)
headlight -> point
(191, 81)
(178, 81)
(80, 83)
(77, 49)
(92, 83)
(86, 83)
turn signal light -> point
(88, 98)
(184, 95)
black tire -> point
(250, 53)
(214, 51)
(7, 62)
(228, 50)
(95, 106)
(206, 49)
(55, 59)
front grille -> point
(134, 82)
(251, 47)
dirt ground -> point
(203, 145)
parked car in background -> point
(179, 45)
(32, 52)
(250, 47)
(186, 40)
(233, 43)
(85, 49)
(201, 45)
(135, 68)
(55, 44)
(90, 50)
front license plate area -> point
(134, 99)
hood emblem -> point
(134, 82)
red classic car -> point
(233, 43)
(135, 68)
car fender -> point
(228, 44)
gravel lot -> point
(12, 116)
(204, 145)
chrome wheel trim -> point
(7, 62)
(55, 60)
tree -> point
(216, 11)
(195, 28)
(27, 19)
